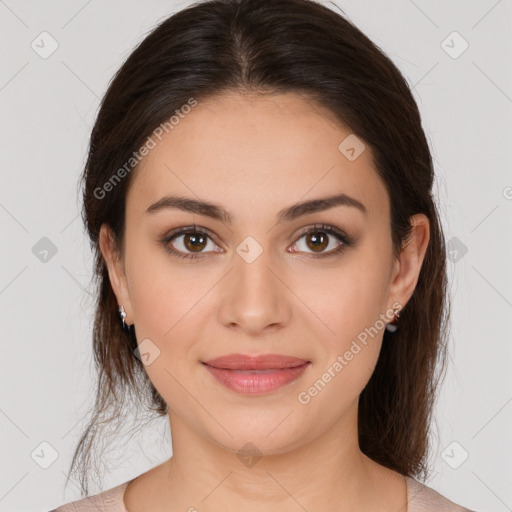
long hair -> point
(259, 46)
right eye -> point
(193, 239)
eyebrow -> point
(288, 214)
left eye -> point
(195, 242)
(318, 239)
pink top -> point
(420, 498)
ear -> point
(407, 267)
(116, 270)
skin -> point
(255, 155)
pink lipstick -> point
(256, 374)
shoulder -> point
(108, 501)
(421, 498)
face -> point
(260, 282)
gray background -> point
(47, 106)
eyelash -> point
(346, 240)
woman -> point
(258, 194)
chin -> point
(258, 437)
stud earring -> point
(392, 326)
(122, 314)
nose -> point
(255, 296)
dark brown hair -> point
(265, 47)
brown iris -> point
(194, 241)
(319, 240)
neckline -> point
(123, 490)
(408, 488)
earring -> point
(122, 314)
(391, 326)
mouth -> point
(256, 374)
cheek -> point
(156, 291)
(165, 325)
(349, 308)
(169, 307)
(346, 298)
(346, 364)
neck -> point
(327, 473)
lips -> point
(256, 374)
(258, 362)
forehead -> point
(254, 150)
